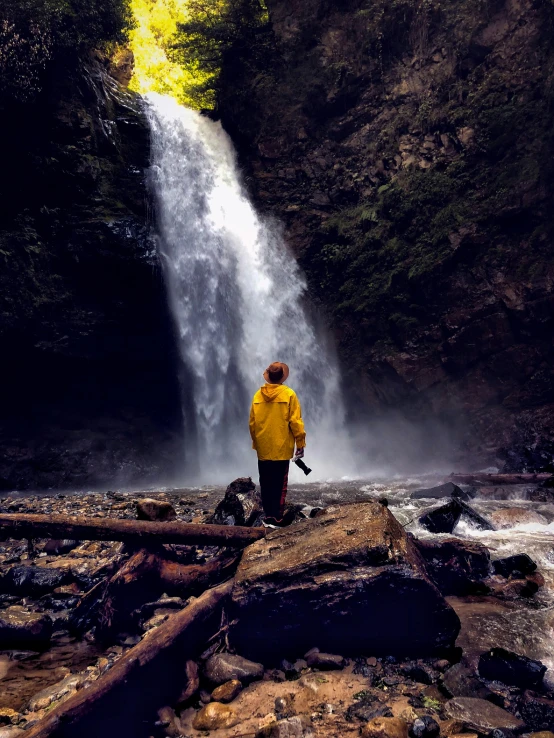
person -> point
(276, 426)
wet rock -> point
(443, 490)
(514, 589)
(58, 548)
(223, 667)
(457, 567)
(240, 506)
(325, 661)
(33, 581)
(460, 681)
(421, 673)
(518, 563)
(385, 727)
(425, 727)
(367, 709)
(213, 716)
(511, 516)
(291, 727)
(537, 711)
(227, 692)
(20, 628)
(168, 720)
(55, 692)
(508, 667)
(481, 715)
(149, 509)
(317, 581)
(444, 519)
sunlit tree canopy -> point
(179, 45)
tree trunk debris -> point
(138, 532)
(90, 711)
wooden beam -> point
(140, 532)
(142, 679)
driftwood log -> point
(145, 576)
(489, 480)
(138, 532)
(147, 676)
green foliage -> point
(35, 32)
(214, 30)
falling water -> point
(237, 297)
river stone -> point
(460, 681)
(537, 710)
(518, 563)
(325, 661)
(223, 667)
(213, 716)
(227, 692)
(22, 629)
(292, 727)
(34, 581)
(241, 505)
(508, 667)
(481, 715)
(385, 727)
(445, 518)
(55, 692)
(508, 517)
(149, 509)
(350, 580)
(457, 567)
(443, 490)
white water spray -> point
(237, 297)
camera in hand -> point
(301, 465)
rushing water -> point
(237, 297)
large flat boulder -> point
(348, 581)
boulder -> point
(457, 567)
(34, 581)
(508, 667)
(22, 629)
(443, 490)
(227, 691)
(385, 727)
(350, 580)
(445, 518)
(149, 509)
(460, 681)
(519, 563)
(223, 667)
(214, 716)
(482, 715)
(508, 517)
(240, 506)
(537, 710)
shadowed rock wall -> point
(408, 147)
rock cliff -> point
(408, 147)
(89, 392)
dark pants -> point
(274, 479)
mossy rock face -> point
(414, 174)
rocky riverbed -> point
(298, 690)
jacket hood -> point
(272, 392)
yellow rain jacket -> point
(276, 423)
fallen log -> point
(486, 480)
(138, 532)
(145, 576)
(147, 676)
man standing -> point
(276, 426)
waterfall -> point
(238, 301)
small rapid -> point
(238, 301)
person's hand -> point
(299, 454)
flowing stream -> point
(238, 300)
